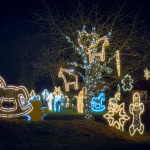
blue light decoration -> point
(57, 102)
(96, 103)
(45, 93)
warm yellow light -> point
(32, 93)
(92, 55)
(136, 108)
(147, 73)
(57, 91)
(75, 82)
(80, 97)
(118, 62)
(115, 109)
(67, 101)
(16, 96)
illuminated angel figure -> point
(80, 97)
(147, 73)
(127, 83)
(69, 78)
(136, 108)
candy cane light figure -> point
(136, 109)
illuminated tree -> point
(76, 32)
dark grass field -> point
(64, 131)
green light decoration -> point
(127, 83)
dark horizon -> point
(16, 34)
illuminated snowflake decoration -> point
(147, 74)
(127, 83)
(117, 117)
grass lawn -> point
(67, 131)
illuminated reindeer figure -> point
(62, 73)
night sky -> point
(16, 33)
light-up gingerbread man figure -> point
(136, 108)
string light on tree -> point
(92, 62)
(127, 83)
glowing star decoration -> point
(147, 73)
(136, 108)
(45, 93)
(11, 100)
(118, 62)
(71, 76)
(116, 115)
(127, 83)
(96, 103)
(49, 100)
(38, 111)
(80, 97)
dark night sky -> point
(16, 32)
